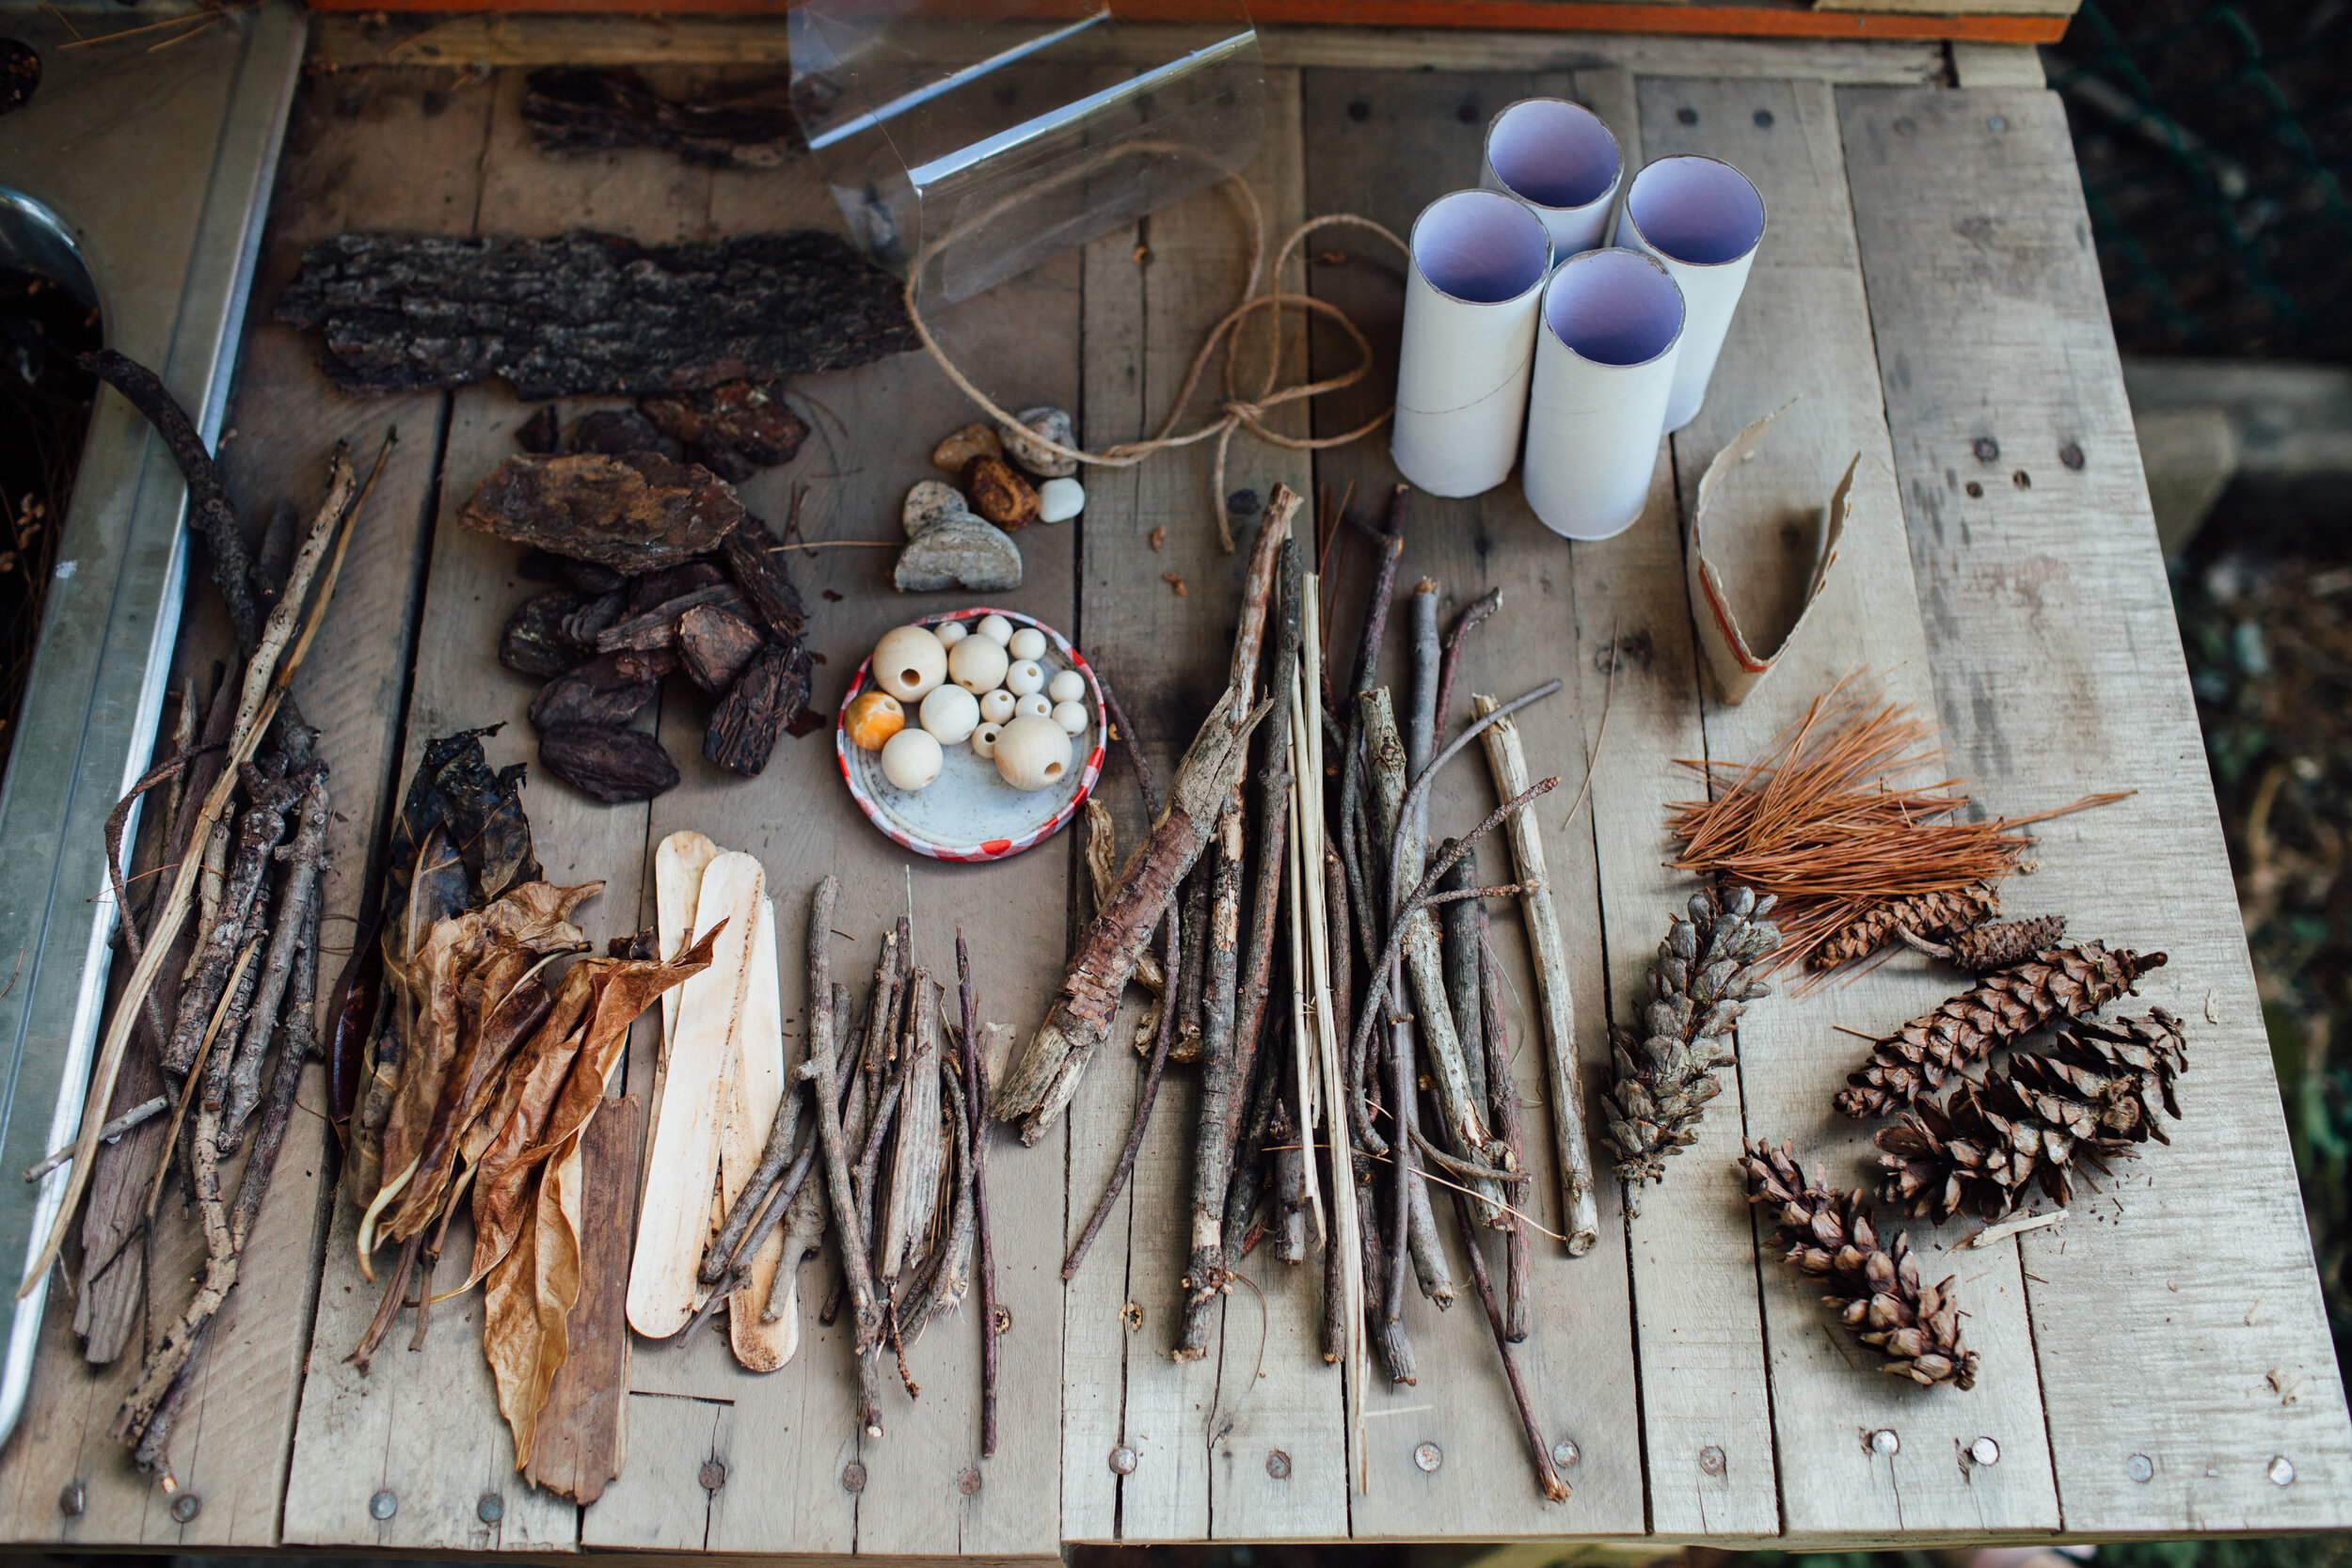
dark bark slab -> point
(659, 626)
(714, 643)
(615, 431)
(673, 583)
(747, 125)
(592, 314)
(602, 692)
(636, 513)
(542, 433)
(583, 578)
(608, 763)
(750, 552)
(763, 702)
(534, 641)
(742, 415)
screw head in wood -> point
(1986, 449)
(968, 1482)
(73, 1499)
(1565, 1454)
(1985, 1452)
(1904, 127)
(1763, 119)
(1884, 1441)
(1687, 116)
(713, 1475)
(186, 1507)
(1996, 124)
(2282, 1471)
(1122, 1461)
(1427, 1456)
(1242, 503)
(2140, 1468)
(1277, 1464)
(2072, 456)
(491, 1509)
(1711, 1460)
(383, 1506)
(854, 1477)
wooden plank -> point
(275, 444)
(2057, 661)
(1997, 65)
(1386, 144)
(662, 1500)
(1203, 1433)
(538, 38)
(1022, 341)
(1803, 331)
(429, 1422)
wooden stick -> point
(1162, 1040)
(1538, 1450)
(191, 1087)
(976, 1079)
(1518, 1274)
(917, 1158)
(1461, 925)
(1579, 1212)
(108, 1134)
(299, 1043)
(1204, 1277)
(818, 1070)
(1477, 610)
(302, 857)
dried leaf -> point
(528, 1297)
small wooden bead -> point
(874, 718)
(995, 629)
(984, 739)
(1023, 677)
(910, 759)
(978, 664)
(949, 714)
(1066, 686)
(1072, 717)
(996, 706)
(1034, 705)
(1027, 642)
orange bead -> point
(874, 718)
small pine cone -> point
(1994, 945)
(2100, 1089)
(1998, 1010)
(1925, 914)
(1874, 1289)
(1701, 981)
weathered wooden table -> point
(2157, 1364)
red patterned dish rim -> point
(992, 848)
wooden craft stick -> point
(759, 1081)
(678, 863)
(673, 1221)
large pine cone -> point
(1994, 945)
(1874, 1289)
(1923, 915)
(1998, 1010)
(2099, 1090)
(1699, 984)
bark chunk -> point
(636, 513)
(609, 764)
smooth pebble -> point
(1021, 441)
(1059, 500)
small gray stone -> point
(967, 554)
(933, 504)
(1021, 442)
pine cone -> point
(2088, 1098)
(1925, 914)
(1875, 1291)
(1699, 984)
(2000, 1010)
(1994, 945)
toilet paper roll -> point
(1562, 162)
(1605, 360)
(1704, 219)
(1470, 303)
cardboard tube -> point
(1479, 261)
(1562, 162)
(1704, 220)
(1605, 361)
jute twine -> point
(1237, 411)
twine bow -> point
(1236, 412)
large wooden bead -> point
(978, 664)
(909, 662)
(910, 758)
(1032, 752)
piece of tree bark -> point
(268, 798)
(914, 1167)
(601, 691)
(657, 627)
(636, 513)
(739, 416)
(764, 703)
(739, 125)
(753, 561)
(592, 314)
(533, 641)
(714, 643)
(581, 1438)
(294, 895)
(607, 763)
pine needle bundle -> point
(1825, 820)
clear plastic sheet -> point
(973, 141)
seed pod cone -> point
(1998, 1010)
(1923, 915)
(2094, 1095)
(2001, 943)
(1702, 980)
(1875, 1289)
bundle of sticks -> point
(1403, 1065)
(205, 1049)
(889, 1098)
